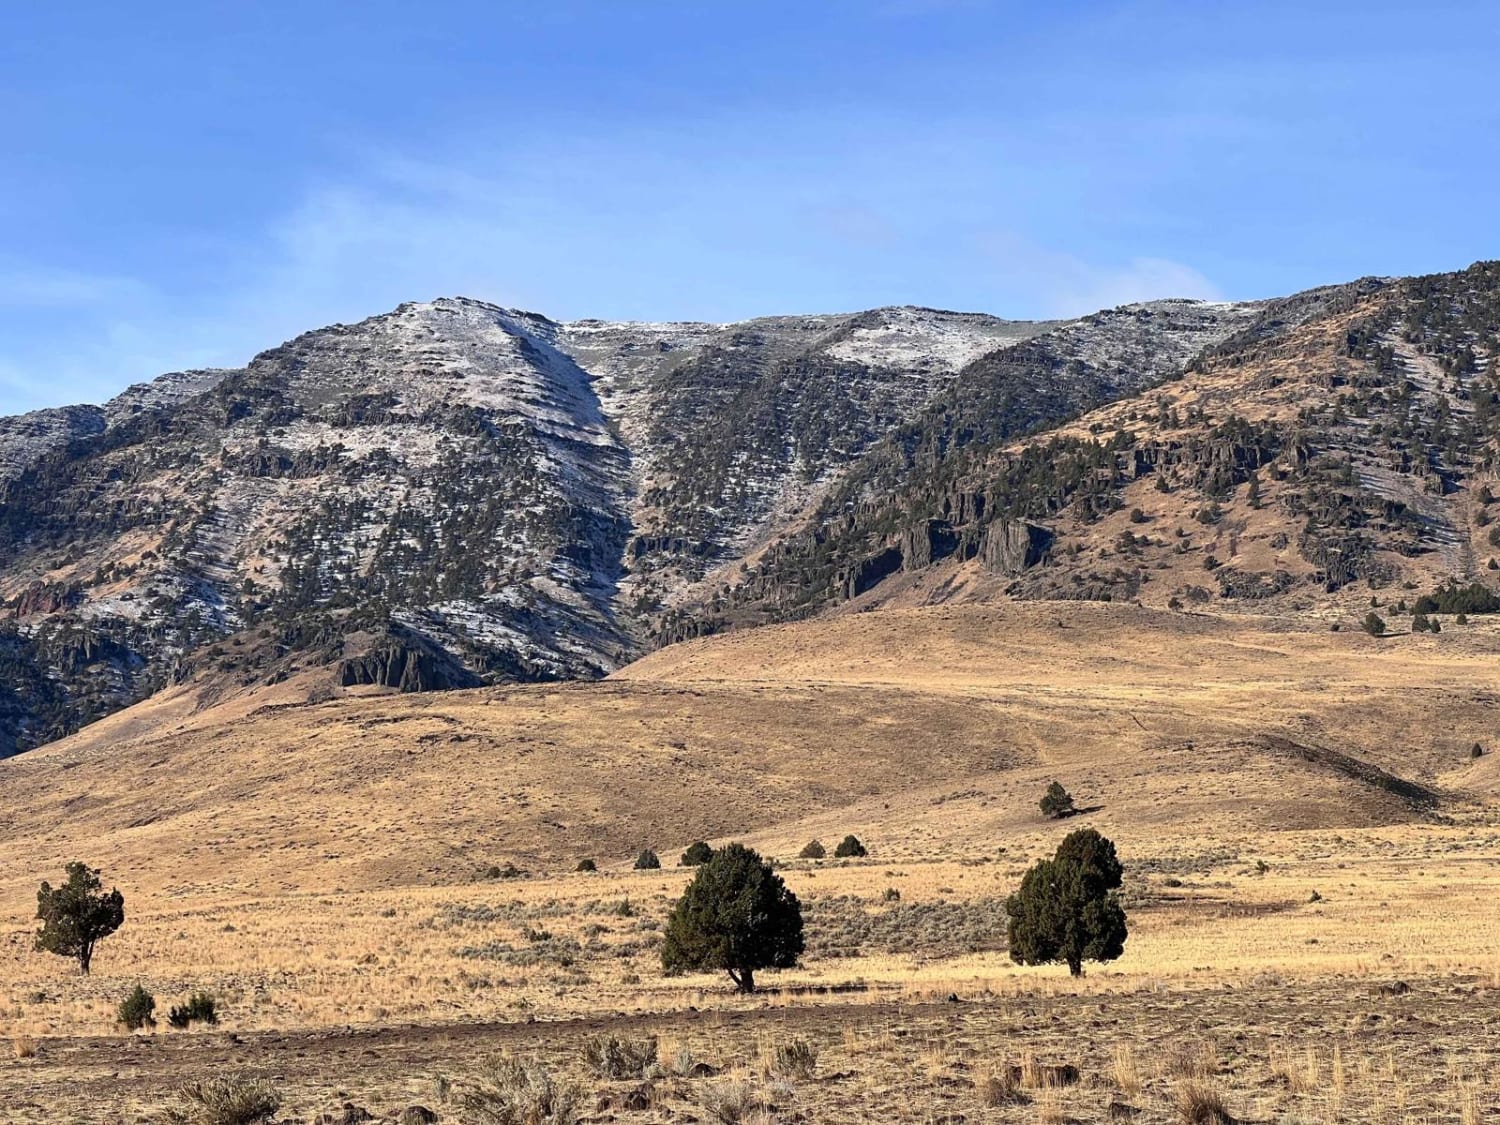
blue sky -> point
(187, 182)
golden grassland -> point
(327, 871)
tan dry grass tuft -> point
(1126, 1074)
(1049, 1108)
(1200, 1103)
(1001, 1089)
(1029, 1072)
(1193, 1059)
(1468, 1104)
(1303, 1074)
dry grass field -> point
(1312, 853)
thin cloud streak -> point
(410, 229)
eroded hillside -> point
(454, 494)
(1335, 454)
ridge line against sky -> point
(189, 188)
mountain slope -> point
(432, 496)
(1339, 446)
(453, 494)
(435, 497)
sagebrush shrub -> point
(200, 1008)
(610, 1056)
(518, 1092)
(138, 1009)
(230, 1100)
(797, 1059)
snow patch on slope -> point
(917, 338)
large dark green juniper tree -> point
(77, 915)
(1066, 909)
(736, 915)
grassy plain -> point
(1313, 862)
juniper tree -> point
(737, 915)
(850, 848)
(696, 854)
(1066, 909)
(76, 916)
(1056, 802)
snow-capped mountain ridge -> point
(475, 492)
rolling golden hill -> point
(1298, 809)
(1194, 722)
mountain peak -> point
(455, 492)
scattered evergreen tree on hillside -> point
(850, 848)
(78, 915)
(1066, 910)
(696, 854)
(137, 1010)
(1056, 802)
(738, 916)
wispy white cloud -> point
(1061, 284)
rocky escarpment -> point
(927, 469)
(1332, 448)
(402, 661)
(732, 427)
(449, 477)
(454, 493)
(444, 467)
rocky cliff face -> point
(486, 493)
(1328, 449)
(454, 493)
(443, 469)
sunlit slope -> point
(923, 729)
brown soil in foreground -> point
(1331, 1051)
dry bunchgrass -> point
(23, 1047)
(1028, 1071)
(733, 1101)
(1196, 1058)
(1049, 1107)
(1001, 1088)
(1303, 1073)
(1200, 1103)
(1468, 1104)
(1126, 1075)
(228, 1100)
